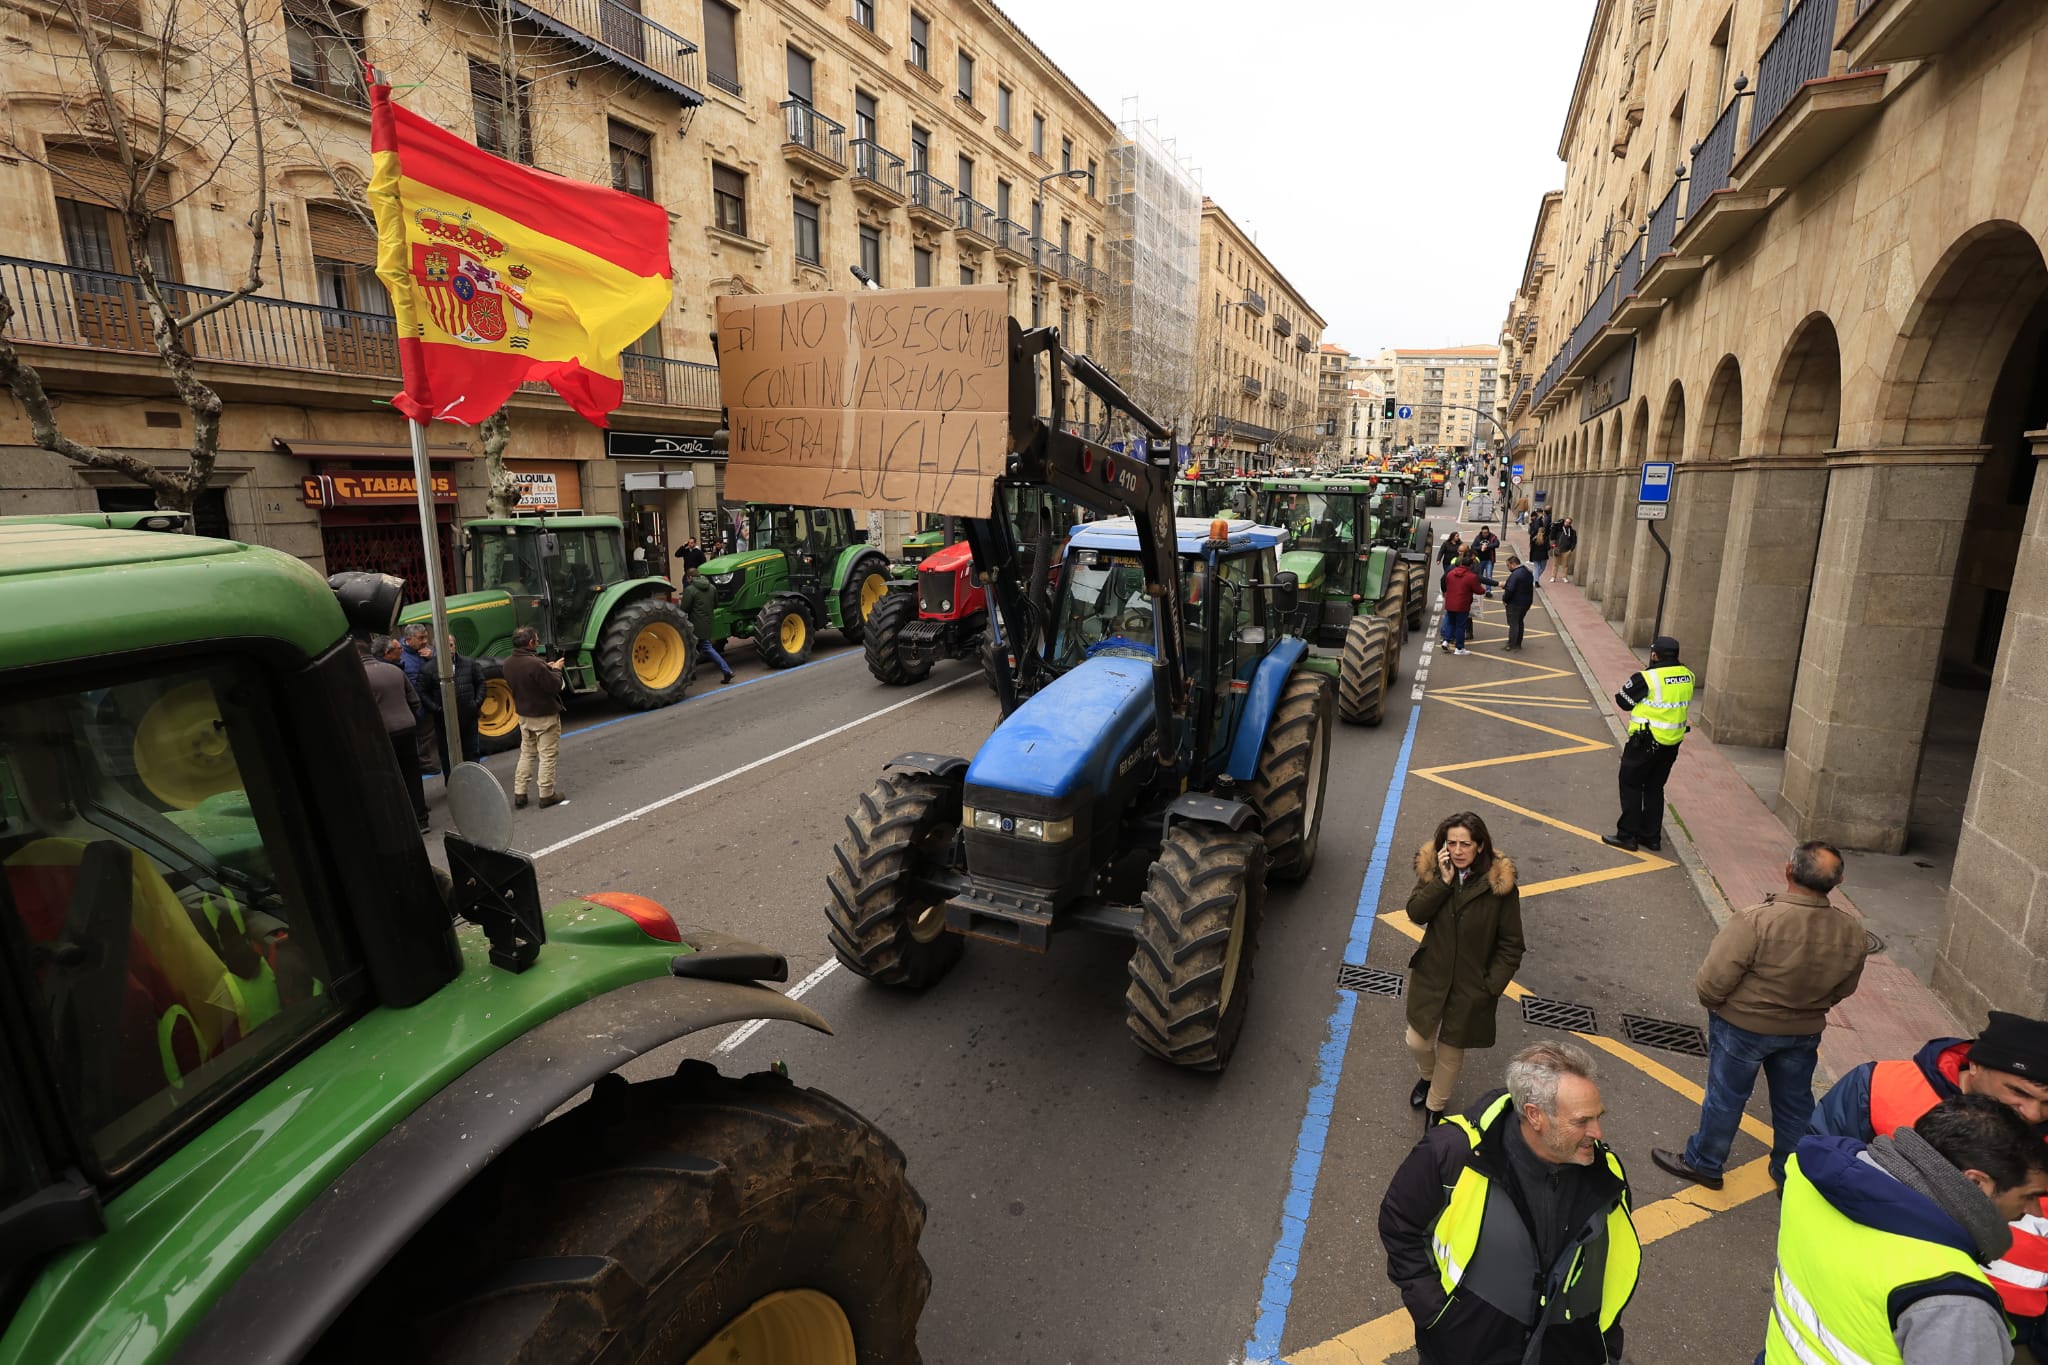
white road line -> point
(796, 992)
(745, 768)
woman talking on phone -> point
(1471, 917)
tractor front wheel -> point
(783, 633)
(1418, 595)
(1191, 973)
(497, 719)
(1293, 773)
(1362, 683)
(647, 654)
(701, 1219)
(866, 585)
(883, 645)
(880, 926)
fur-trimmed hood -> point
(1500, 877)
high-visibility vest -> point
(1663, 712)
(1831, 1292)
(1480, 1243)
(1899, 1094)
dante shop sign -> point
(370, 490)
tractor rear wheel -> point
(497, 719)
(1293, 773)
(1362, 684)
(865, 586)
(883, 645)
(647, 654)
(699, 1219)
(879, 925)
(783, 631)
(1191, 973)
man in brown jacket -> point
(537, 697)
(1774, 972)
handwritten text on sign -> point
(877, 398)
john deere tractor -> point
(274, 1090)
(567, 577)
(930, 535)
(1399, 524)
(1170, 758)
(807, 568)
(1354, 593)
(1224, 495)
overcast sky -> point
(1387, 154)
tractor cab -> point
(931, 534)
(1207, 498)
(806, 568)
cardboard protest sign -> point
(877, 398)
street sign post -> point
(1656, 485)
(1653, 504)
(1653, 511)
(1404, 412)
(1515, 471)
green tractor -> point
(929, 536)
(567, 577)
(1225, 495)
(808, 569)
(276, 1090)
(1398, 523)
(1355, 594)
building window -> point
(966, 78)
(967, 274)
(920, 41)
(799, 75)
(722, 46)
(499, 105)
(921, 267)
(806, 225)
(728, 200)
(1091, 178)
(1003, 107)
(864, 109)
(632, 152)
(920, 148)
(1038, 135)
(1002, 199)
(966, 174)
(870, 249)
(325, 45)
(1066, 154)
(864, 14)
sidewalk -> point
(1725, 830)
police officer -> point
(1657, 700)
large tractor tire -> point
(1362, 684)
(866, 585)
(883, 645)
(694, 1220)
(1191, 973)
(1418, 595)
(1293, 774)
(647, 654)
(497, 721)
(878, 925)
(784, 631)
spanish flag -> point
(500, 273)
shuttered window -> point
(95, 174)
(340, 234)
(632, 154)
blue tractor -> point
(1170, 759)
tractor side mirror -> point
(1287, 593)
(547, 544)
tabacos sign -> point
(370, 490)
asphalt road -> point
(1088, 1204)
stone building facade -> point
(1447, 390)
(1255, 356)
(1799, 254)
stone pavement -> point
(1726, 832)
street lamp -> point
(1038, 255)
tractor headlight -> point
(946, 604)
(725, 579)
(1018, 826)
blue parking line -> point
(1276, 1295)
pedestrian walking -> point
(1772, 975)
(1448, 552)
(1461, 585)
(1881, 1246)
(395, 707)
(1507, 1228)
(700, 603)
(537, 697)
(1470, 911)
(1657, 698)
(1517, 595)
(1539, 546)
(1485, 546)
(1563, 540)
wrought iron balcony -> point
(1302, 343)
(932, 198)
(1663, 224)
(1283, 326)
(1713, 159)
(669, 383)
(1251, 386)
(1013, 239)
(974, 218)
(1797, 55)
(1255, 303)
(877, 170)
(620, 34)
(809, 137)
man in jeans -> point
(1774, 972)
(1518, 594)
(537, 697)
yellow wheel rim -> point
(497, 717)
(182, 752)
(658, 655)
(793, 1327)
(792, 633)
(871, 590)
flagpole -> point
(444, 663)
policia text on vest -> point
(1658, 701)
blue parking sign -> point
(1656, 486)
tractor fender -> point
(842, 567)
(616, 596)
(1259, 704)
(942, 766)
(300, 1284)
(1200, 808)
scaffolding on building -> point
(1154, 241)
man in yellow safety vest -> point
(1657, 700)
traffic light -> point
(1388, 413)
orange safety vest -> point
(1899, 1094)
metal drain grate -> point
(1562, 1014)
(1665, 1034)
(1370, 980)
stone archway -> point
(1649, 583)
(1773, 534)
(1618, 555)
(1698, 527)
